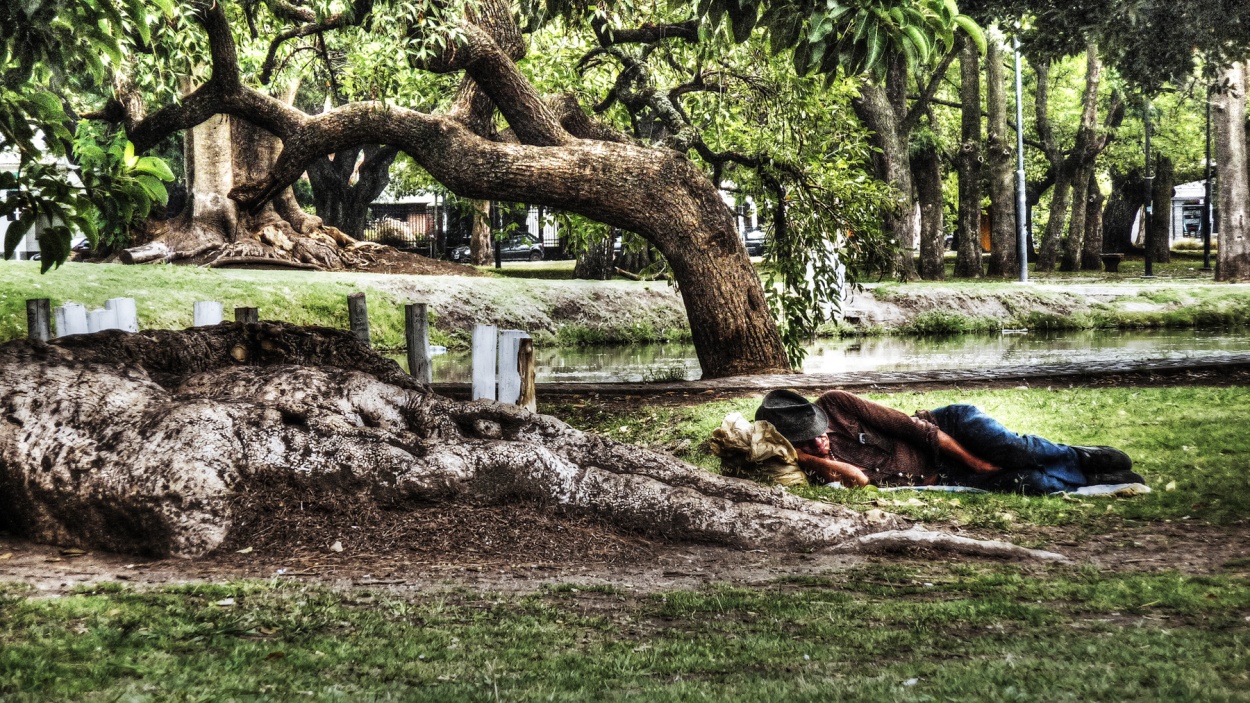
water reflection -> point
(663, 362)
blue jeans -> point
(1029, 464)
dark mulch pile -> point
(280, 522)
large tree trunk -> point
(1233, 196)
(1048, 252)
(1075, 243)
(343, 190)
(1121, 212)
(968, 234)
(1091, 254)
(926, 169)
(481, 246)
(1001, 149)
(1163, 188)
(221, 153)
(877, 107)
(165, 443)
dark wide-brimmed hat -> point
(796, 418)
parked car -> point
(519, 247)
(755, 242)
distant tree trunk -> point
(634, 261)
(1003, 245)
(1121, 211)
(596, 262)
(1233, 197)
(1075, 243)
(926, 169)
(968, 235)
(1048, 253)
(1161, 201)
(481, 251)
(883, 110)
(341, 201)
(1091, 254)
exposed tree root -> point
(150, 442)
(918, 538)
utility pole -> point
(1022, 220)
(1148, 209)
(1206, 198)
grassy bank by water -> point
(572, 313)
(878, 632)
(1190, 438)
(555, 312)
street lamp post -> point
(1148, 209)
(1022, 223)
(1206, 198)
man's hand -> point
(832, 469)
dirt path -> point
(650, 567)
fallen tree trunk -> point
(150, 442)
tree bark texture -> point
(1162, 189)
(1075, 242)
(1121, 211)
(892, 166)
(1070, 168)
(1091, 254)
(1048, 252)
(1228, 113)
(968, 233)
(1000, 158)
(343, 190)
(556, 156)
(926, 169)
(481, 245)
(156, 443)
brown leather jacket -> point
(891, 448)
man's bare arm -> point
(957, 451)
(832, 469)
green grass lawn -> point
(880, 632)
(1194, 437)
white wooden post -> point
(127, 315)
(207, 312)
(509, 376)
(100, 320)
(71, 318)
(485, 343)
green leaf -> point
(918, 40)
(974, 32)
(49, 105)
(17, 230)
(876, 46)
(128, 155)
(155, 166)
(154, 188)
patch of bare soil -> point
(521, 548)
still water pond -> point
(666, 362)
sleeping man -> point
(842, 437)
